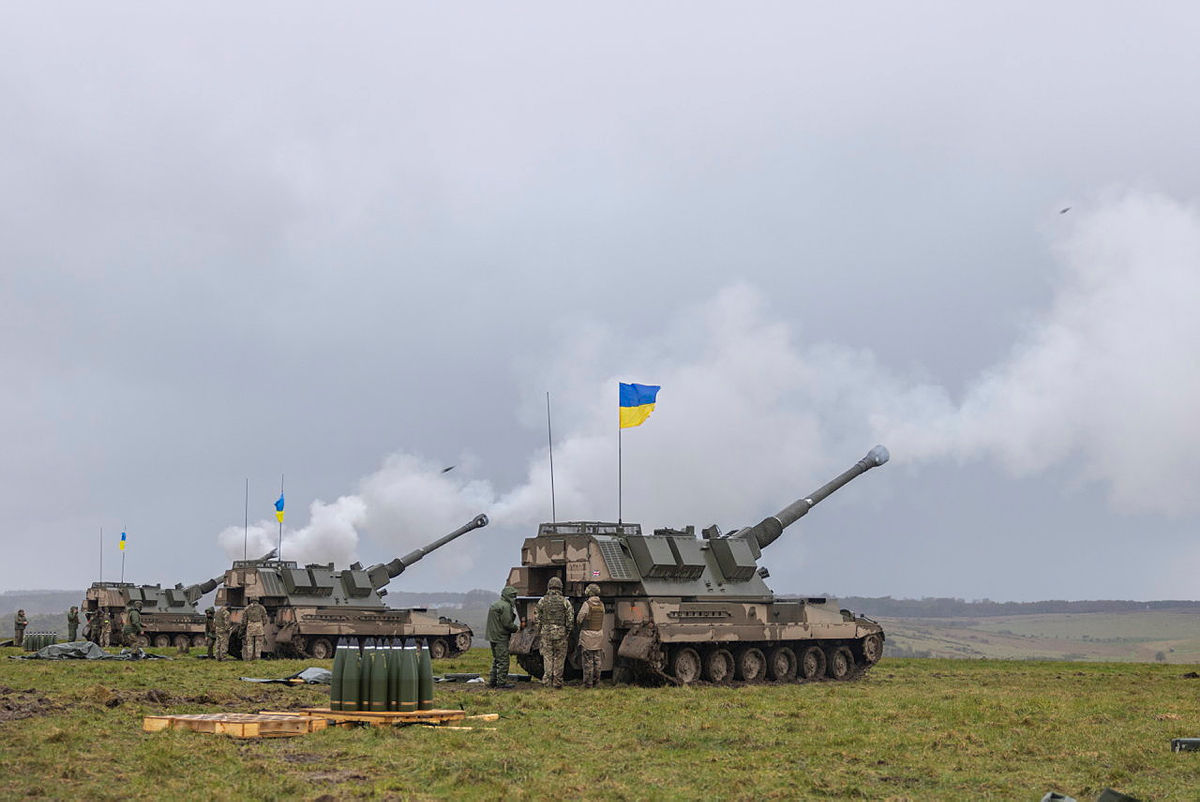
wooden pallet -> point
(384, 719)
(238, 725)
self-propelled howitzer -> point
(686, 608)
(169, 615)
(310, 607)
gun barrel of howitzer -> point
(767, 530)
(397, 566)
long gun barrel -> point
(769, 529)
(381, 573)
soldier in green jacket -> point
(502, 622)
(210, 629)
(222, 626)
(556, 616)
(19, 624)
(72, 624)
(132, 631)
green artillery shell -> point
(408, 678)
(339, 671)
(425, 681)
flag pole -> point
(619, 510)
(550, 440)
(279, 548)
(246, 530)
(123, 530)
(102, 554)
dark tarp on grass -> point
(309, 676)
(85, 650)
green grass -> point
(911, 729)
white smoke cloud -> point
(749, 418)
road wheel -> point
(183, 642)
(781, 664)
(438, 649)
(685, 665)
(812, 664)
(462, 641)
(162, 640)
(320, 649)
(751, 665)
(841, 663)
(872, 649)
(199, 641)
(718, 666)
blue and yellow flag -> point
(637, 402)
(279, 508)
(121, 545)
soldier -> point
(210, 629)
(72, 624)
(105, 628)
(591, 634)
(131, 633)
(254, 622)
(556, 615)
(19, 624)
(222, 625)
(502, 622)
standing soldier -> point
(254, 620)
(72, 624)
(221, 626)
(210, 629)
(591, 635)
(131, 633)
(105, 628)
(502, 622)
(556, 615)
(19, 624)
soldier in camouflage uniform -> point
(210, 629)
(556, 616)
(591, 635)
(254, 636)
(19, 624)
(502, 622)
(72, 624)
(222, 626)
(105, 637)
(131, 633)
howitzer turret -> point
(685, 608)
(382, 573)
(311, 607)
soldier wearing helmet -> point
(591, 634)
(132, 631)
(555, 617)
(502, 622)
(210, 630)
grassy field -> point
(910, 729)
(1159, 636)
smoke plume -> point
(1105, 380)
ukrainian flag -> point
(637, 402)
(279, 508)
(121, 545)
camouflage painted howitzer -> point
(310, 608)
(684, 608)
(169, 615)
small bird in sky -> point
(1064, 210)
(447, 470)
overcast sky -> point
(356, 245)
